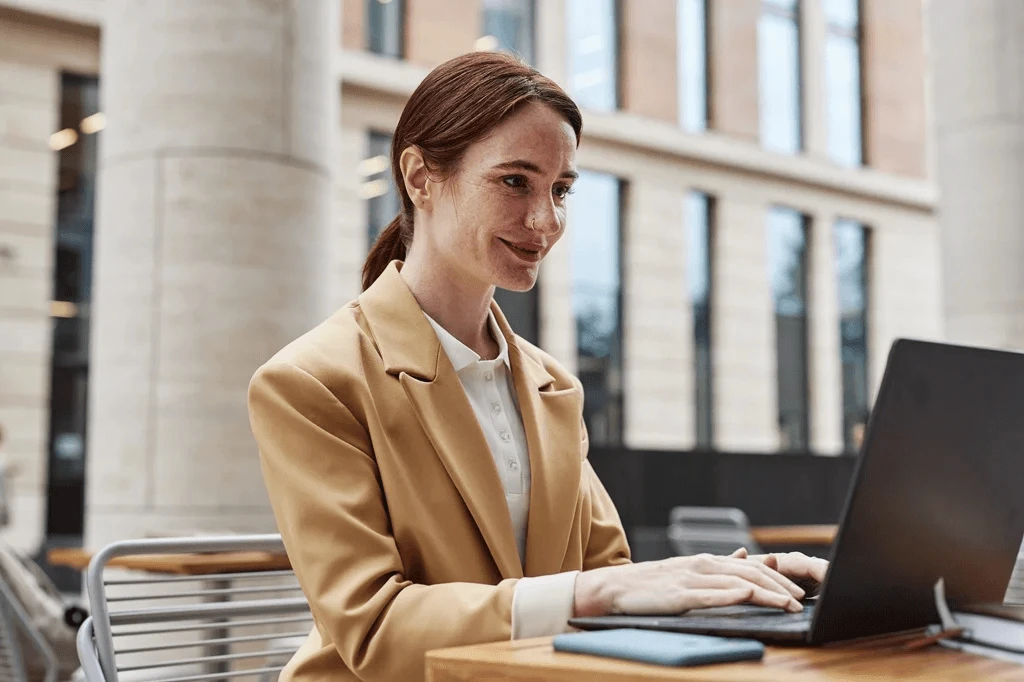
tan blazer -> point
(387, 496)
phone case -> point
(662, 648)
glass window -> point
(691, 16)
(778, 55)
(842, 81)
(698, 210)
(787, 268)
(385, 27)
(378, 188)
(596, 243)
(593, 53)
(72, 293)
(508, 25)
(851, 242)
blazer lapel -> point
(411, 351)
(551, 419)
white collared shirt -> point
(540, 605)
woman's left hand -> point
(806, 571)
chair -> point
(179, 628)
(16, 629)
(712, 530)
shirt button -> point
(506, 436)
(513, 465)
(496, 407)
(489, 376)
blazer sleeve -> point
(606, 543)
(325, 491)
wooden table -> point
(769, 536)
(177, 564)
(239, 562)
(536, 661)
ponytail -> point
(390, 245)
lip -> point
(524, 251)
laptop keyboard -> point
(748, 618)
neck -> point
(461, 307)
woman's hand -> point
(675, 585)
(806, 571)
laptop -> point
(938, 492)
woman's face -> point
(504, 208)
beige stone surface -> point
(36, 41)
(28, 115)
(895, 126)
(658, 334)
(213, 218)
(732, 48)
(977, 51)
(254, 89)
(825, 372)
(743, 331)
(648, 58)
(437, 30)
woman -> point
(421, 459)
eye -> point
(515, 181)
(562, 191)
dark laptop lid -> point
(938, 492)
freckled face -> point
(505, 207)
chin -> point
(523, 280)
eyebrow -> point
(522, 164)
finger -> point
(800, 566)
(771, 561)
(740, 553)
(745, 593)
(769, 578)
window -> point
(787, 266)
(378, 188)
(778, 56)
(386, 27)
(698, 209)
(593, 53)
(596, 243)
(851, 248)
(508, 26)
(72, 293)
(691, 18)
(842, 81)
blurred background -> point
(771, 192)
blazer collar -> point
(406, 340)
(412, 351)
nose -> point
(544, 218)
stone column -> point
(214, 195)
(976, 55)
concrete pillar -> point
(213, 206)
(825, 370)
(976, 55)
(745, 368)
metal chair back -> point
(184, 628)
(16, 629)
(712, 530)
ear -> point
(416, 177)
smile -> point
(527, 254)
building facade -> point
(754, 224)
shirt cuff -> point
(542, 606)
